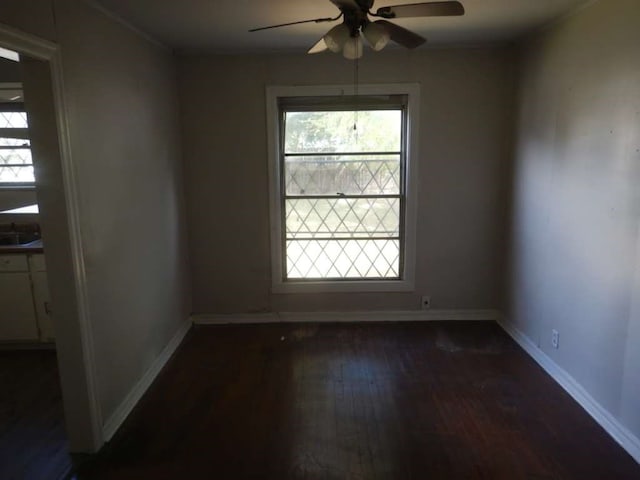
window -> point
(16, 164)
(342, 199)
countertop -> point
(31, 247)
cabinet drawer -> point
(36, 263)
(13, 263)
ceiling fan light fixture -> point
(353, 49)
(376, 35)
(356, 22)
(337, 37)
(321, 46)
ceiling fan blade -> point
(315, 20)
(429, 9)
(401, 35)
(320, 46)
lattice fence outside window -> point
(343, 193)
(16, 163)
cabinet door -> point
(17, 316)
(36, 262)
(42, 302)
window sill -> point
(346, 286)
(17, 186)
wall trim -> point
(625, 438)
(131, 400)
(128, 25)
(355, 316)
(556, 21)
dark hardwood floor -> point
(357, 401)
(33, 443)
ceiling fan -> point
(346, 37)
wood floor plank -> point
(384, 401)
(33, 444)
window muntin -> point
(342, 192)
(16, 163)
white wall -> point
(10, 199)
(463, 152)
(122, 106)
(575, 263)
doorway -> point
(33, 439)
(58, 222)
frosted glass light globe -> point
(337, 37)
(376, 35)
(353, 48)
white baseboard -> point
(334, 317)
(612, 426)
(124, 409)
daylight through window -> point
(16, 165)
(343, 188)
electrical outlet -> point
(555, 339)
(426, 302)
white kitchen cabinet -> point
(42, 304)
(17, 315)
(13, 263)
(41, 299)
(36, 262)
(25, 314)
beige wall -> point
(54, 221)
(9, 71)
(122, 106)
(464, 132)
(33, 16)
(125, 140)
(576, 203)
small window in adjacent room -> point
(16, 164)
(342, 202)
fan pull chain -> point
(355, 102)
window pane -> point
(17, 174)
(13, 142)
(340, 154)
(343, 259)
(351, 175)
(16, 164)
(15, 156)
(13, 120)
(333, 132)
(342, 217)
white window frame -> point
(404, 284)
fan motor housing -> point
(355, 19)
(365, 4)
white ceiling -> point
(221, 25)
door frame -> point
(84, 430)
